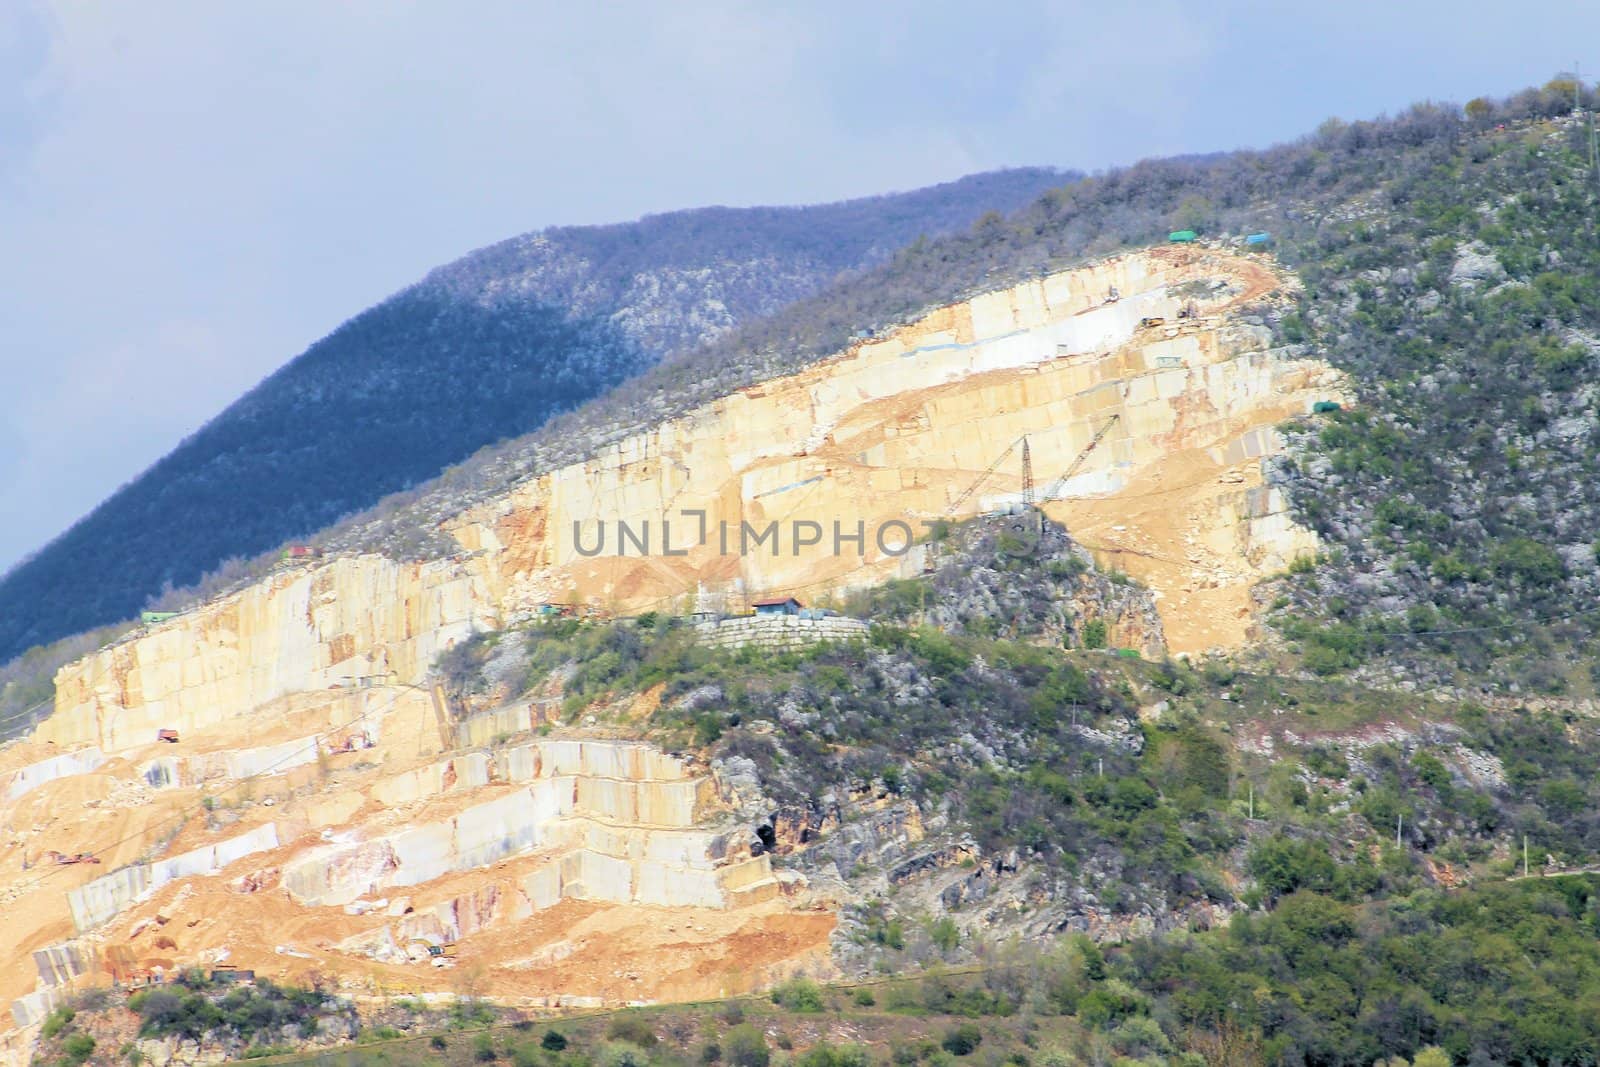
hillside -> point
(1447, 262)
(1251, 718)
(486, 348)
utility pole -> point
(1524, 855)
(1399, 821)
(1252, 802)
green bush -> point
(77, 1047)
(1094, 634)
(634, 1028)
(799, 995)
(1282, 865)
(56, 1021)
(622, 1054)
(824, 1054)
(962, 1040)
(746, 1046)
(553, 1041)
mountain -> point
(486, 348)
(1445, 260)
(1230, 698)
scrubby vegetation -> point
(1462, 297)
(27, 683)
(1505, 973)
(195, 1009)
(1040, 760)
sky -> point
(193, 192)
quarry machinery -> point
(64, 860)
(930, 555)
(1027, 462)
(1061, 483)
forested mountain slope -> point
(486, 348)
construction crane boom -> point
(1061, 482)
(966, 493)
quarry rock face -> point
(324, 811)
(812, 484)
(340, 624)
(853, 455)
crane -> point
(1027, 474)
(931, 555)
(1061, 482)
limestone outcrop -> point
(324, 800)
(811, 485)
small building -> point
(780, 606)
(1182, 237)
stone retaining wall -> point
(779, 633)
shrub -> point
(78, 1047)
(823, 1054)
(799, 994)
(1094, 634)
(746, 1046)
(56, 1021)
(962, 1040)
(1281, 865)
(553, 1041)
(632, 1028)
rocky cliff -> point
(812, 484)
(317, 796)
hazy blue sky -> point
(192, 192)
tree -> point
(1431, 1056)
